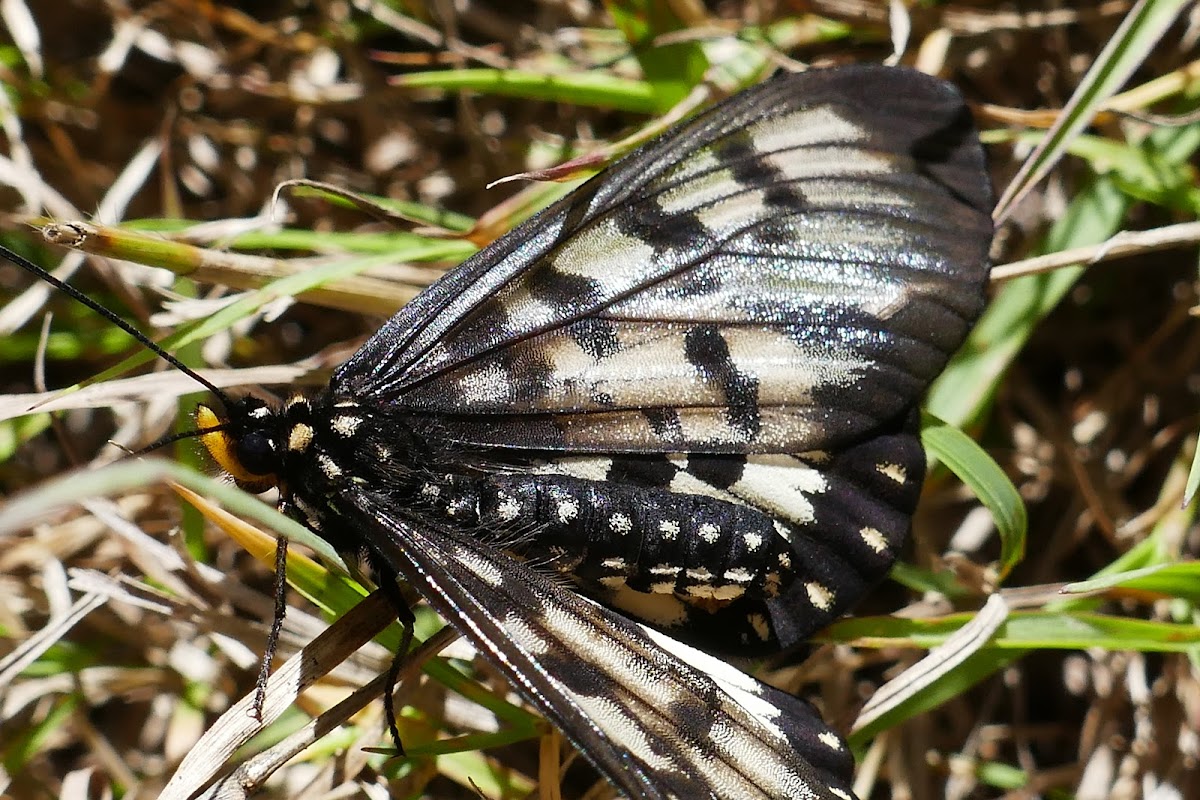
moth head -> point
(242, 441)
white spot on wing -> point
(567, 510)
(345, 424)
(896, 472)
(604, 254)
(687, 483)
(738, 575)
(700, 180)
(661, 609)
(620, 523)
(612, 719)
(819, 595)
(508, 509)
(745, 690)
(735, 213)
(830, 740)
(739, 745)
(780, 485)
(528, 637)
(460, 506)
(519, 304)
(490, 384)
(488, 572)
(874, 539)
(709, 532)
(590, 468)
(328, 466)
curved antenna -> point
(140, 337)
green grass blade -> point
(986, 480)
(598, 89)
(1125, 51)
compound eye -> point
(256, 453)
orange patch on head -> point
(223, 449)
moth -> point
(677, 409)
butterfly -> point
(668, 423)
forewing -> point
(655, 725)
(780, 274)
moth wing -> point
(779, 274)
(653, 724)
(844, 514)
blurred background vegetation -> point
(168, 125)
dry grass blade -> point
(235, 727)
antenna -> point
(140, 337)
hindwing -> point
(831, 524)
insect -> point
(689, 389)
